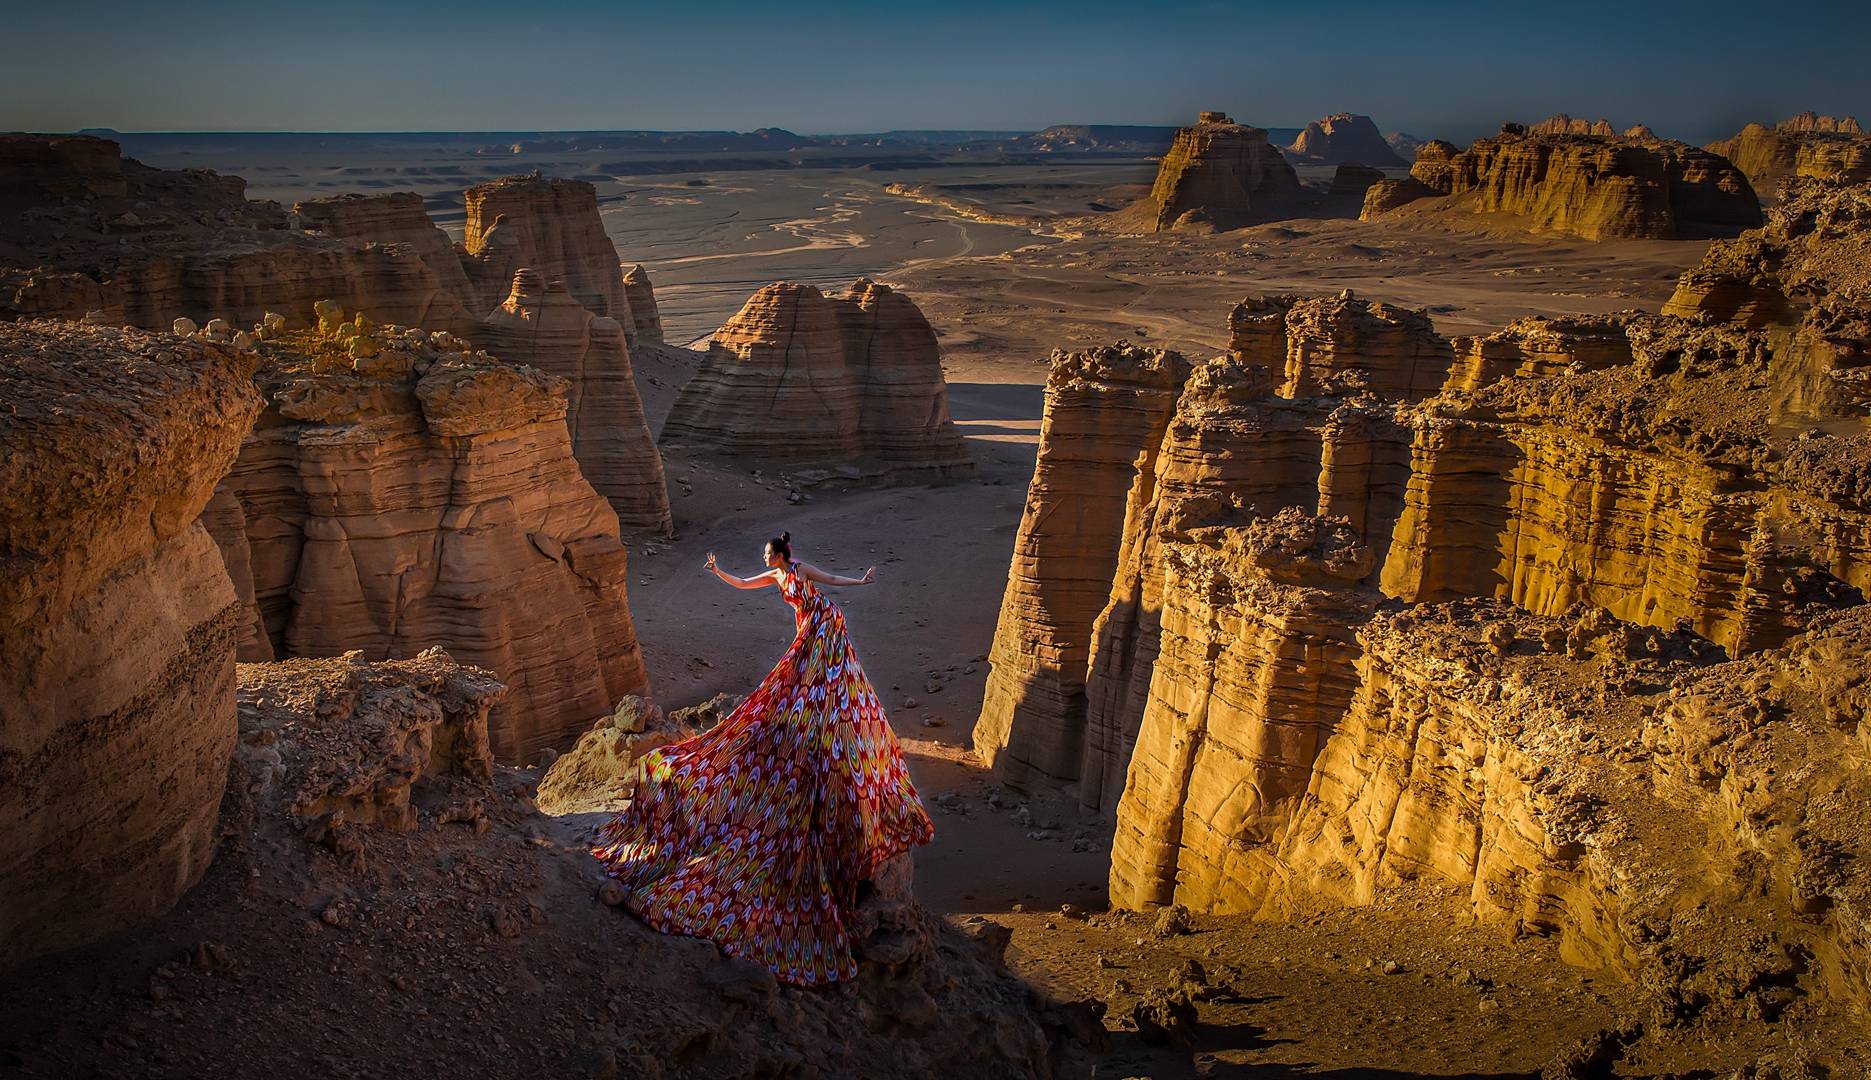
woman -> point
(755, 833)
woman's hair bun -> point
(786, 536)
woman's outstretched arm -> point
(813, 573)
(758, 581)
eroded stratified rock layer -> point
(849, 385)
(1815, 147)
(550, 225)
(398, 217)
(118, 623)
(1549, 635)
(540, 324)
(1218, 174)
(1104, 417)
(399, 494)
(1599, 187)
(646, 320)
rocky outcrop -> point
(1105, 414)
(401, 493)
(543, 326)
(1599, 187)
(398, 217)
(1807, 146)
(342, 743)
(1388, 194)
(1805, 266)
(644, 316)
(552, 226)
(847, 387)
(375, 855)
(1344, 138)
(1346, 344)
(1538, 346)
(117, 620)
(1220, 175)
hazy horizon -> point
(471, 66)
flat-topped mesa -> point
(398, 217)
(1561, 124)
(117, 621)
(85, 231)
(1598, 187)
(1807, 146)
(403, 492)
(1218, 174)
(1344, 138)
(644, 315)
(542, 325)
(849, 387)
(1106, 410)
(551, 225)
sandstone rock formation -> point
(1218, 174)
(398, 217)
(540, 324)
(401, 493)
(1105, 414)
(846, 387)
(644, 317)
(117, 621)
(1344, 137)
(377, 866)
(84, 230)
(1816, 147)
(549, 225)
(1598, 187)
(1546, 636)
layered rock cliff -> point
(402, 492)
(117, 620)
(644, 316)
(1814, 147)
(1218, 174)
(550, 225)
(540, 324)
(1495, 637)
(1104, 418)
(1598, 187)
(846, 387)
(1344, 137)
(398, 217)
(1561, 124)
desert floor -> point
(1457, 1000)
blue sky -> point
(1450, 69)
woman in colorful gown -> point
(756, 833)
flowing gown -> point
(756, 833)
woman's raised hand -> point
(710, 564)
(870, 573)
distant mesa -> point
(1806, 146)
(1344, 138)
(1561, 124)
(1577, 177)
(1217, 175)
(837, 388)
(1404, 144)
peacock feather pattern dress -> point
(755, 833)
